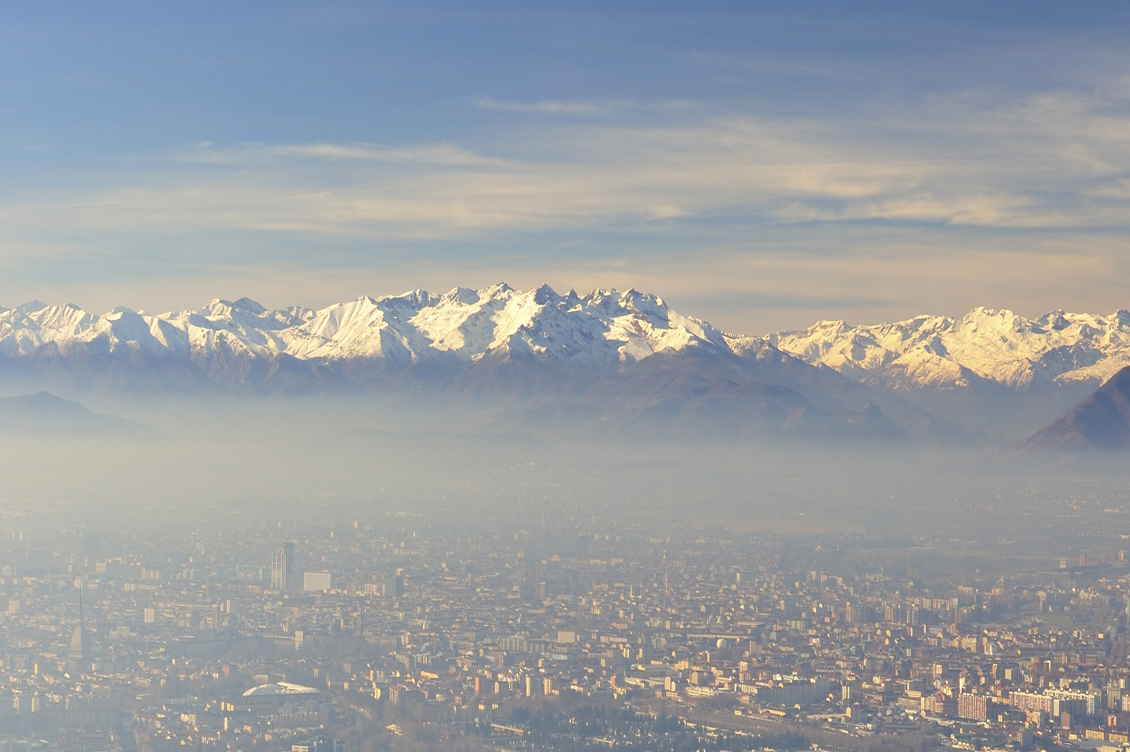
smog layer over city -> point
(564, 377)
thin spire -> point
(79, 649)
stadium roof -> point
(279, 688)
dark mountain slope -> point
(1100, 422)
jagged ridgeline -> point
(605, 354)
(991, 371)
(602, 328)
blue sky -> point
(758, 164)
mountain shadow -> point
(1100, 422)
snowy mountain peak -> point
(545, 295)
(495, 290)
(990, 344)
(462, 295)
(603, 328)
(247, 304)
(217, 308)
(634, 300)
(414, 299)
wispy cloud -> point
(550, 107)
(430, 154)
(1051, 161)
(763, 170)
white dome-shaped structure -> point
(279, 689)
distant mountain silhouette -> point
(43, 412)
(1102, 421)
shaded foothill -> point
(45, 413)
(1101, 422)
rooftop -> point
(279, 688)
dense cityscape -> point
(572, 633)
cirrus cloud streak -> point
(1054, 160)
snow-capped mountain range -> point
(604, 327)
(515, 360)
(988, 345)
(990, 371)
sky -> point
(761, 165)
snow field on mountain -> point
(602, 328)
(990, 344)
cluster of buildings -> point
(329, 637)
